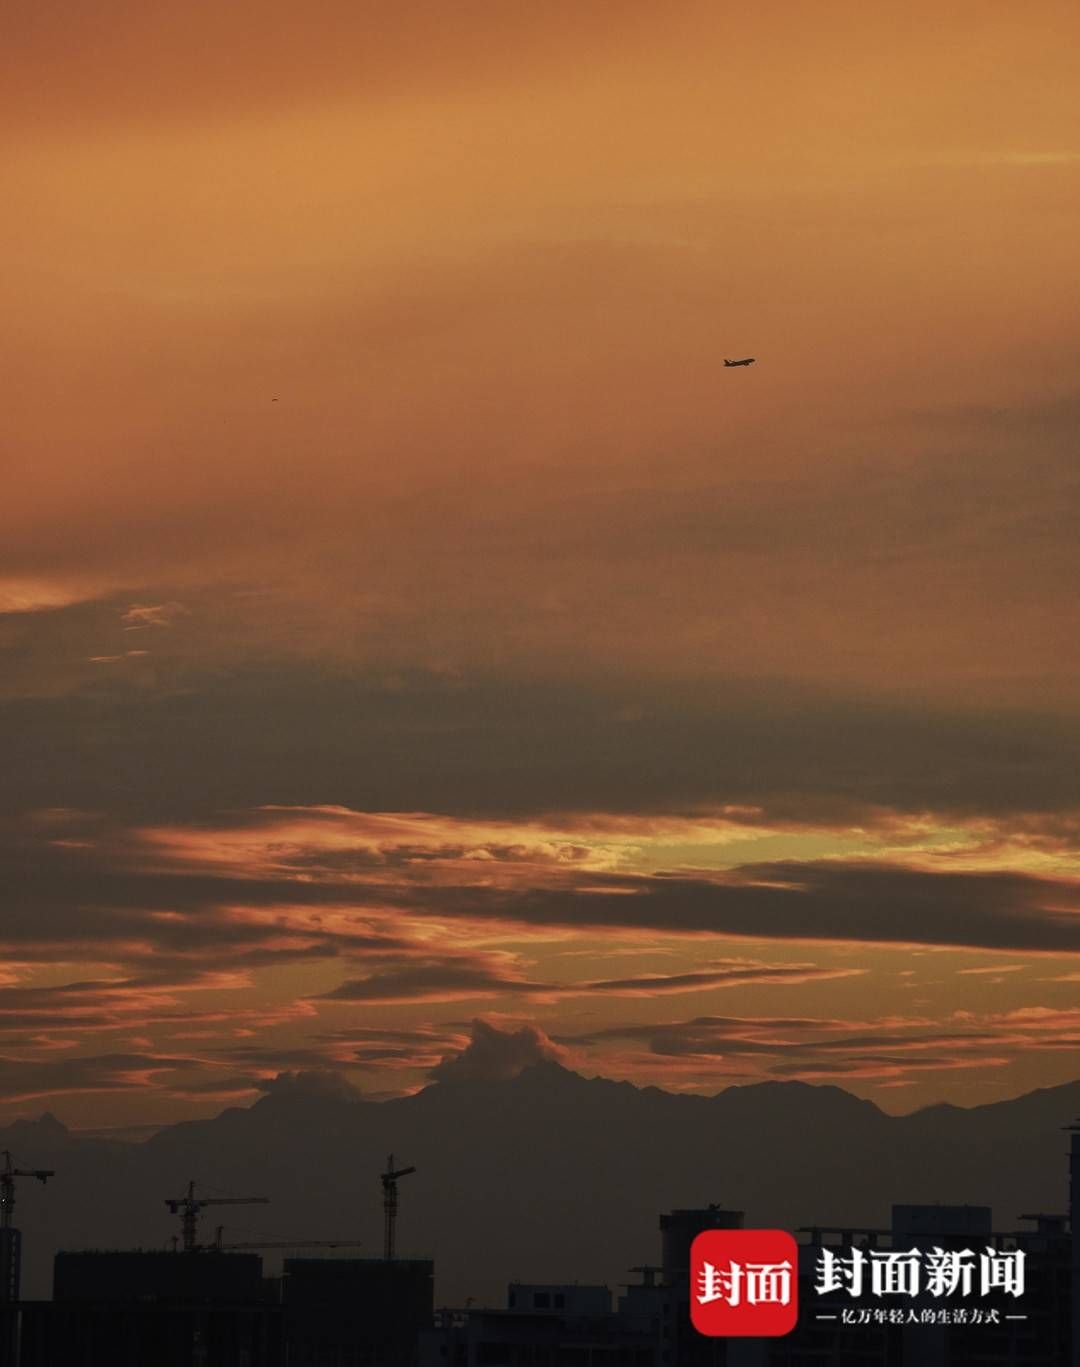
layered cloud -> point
(325, 882)
(417, 362)
(26, 1080)
(404, 614)
(891, 1050)
(281, 938)
(170, 744)
(450, 980)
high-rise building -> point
(131, 1308)
(356, 1312)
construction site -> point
(207, 1302)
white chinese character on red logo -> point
(757, 1283)
(768, 1283)
(714, 1285)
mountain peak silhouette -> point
(44, 1129)
(544, 1175)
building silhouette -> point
(132, 1308)
(544, 1325)
(140, 1308)
(213, 1308)
(356, 1312)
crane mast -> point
(390, 1204)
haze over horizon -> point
(406, 621)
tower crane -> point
(10, 1244)
(390, 1203)
(189, 1205)
(8, 1174)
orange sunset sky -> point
(411, 634)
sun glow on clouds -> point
(28, 595)
(349, 843)
(402, 615)
(336, 842)
(299, 926)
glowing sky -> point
(405, 619)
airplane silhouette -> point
(747, 360)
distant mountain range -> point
(549, 1176)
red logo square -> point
(744, 1283)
